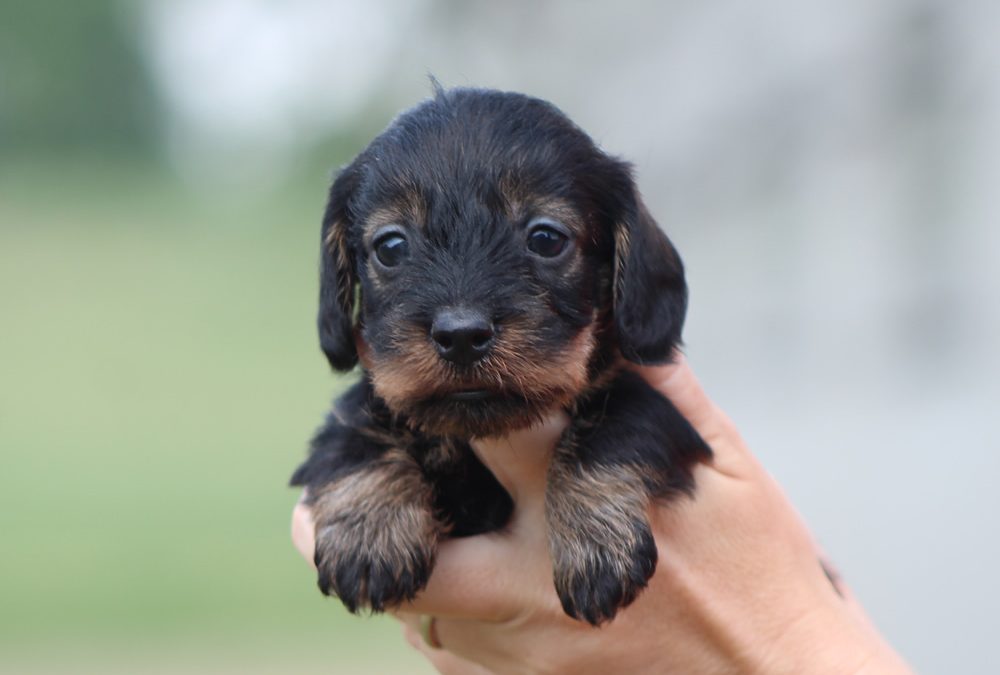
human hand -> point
(738, 586)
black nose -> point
(462, 336)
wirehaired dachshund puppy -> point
(487, 263)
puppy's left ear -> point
(650, 293)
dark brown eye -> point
(391, 249)
(546, 241)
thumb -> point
(520, 460)
(677, 382)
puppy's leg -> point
(602, 548)
(627, 446)
(376, 534)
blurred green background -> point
(827, 169)
(159, 379)
(159, 385)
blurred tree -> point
(71, 79)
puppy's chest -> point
(618, 427)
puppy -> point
(487, 263)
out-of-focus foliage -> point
(159, 380)
(70, 78)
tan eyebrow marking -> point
(557, 208)
(407, 209)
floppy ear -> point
(337, 276)
(650, 294)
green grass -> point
(159, 379)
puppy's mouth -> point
(468, 412)
(515, 387)
(470, 395)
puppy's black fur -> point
(487, 263)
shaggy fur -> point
(494, 208)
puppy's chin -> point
(478, 414)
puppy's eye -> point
(391, 249)
(547, 241)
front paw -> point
(369, 568)
(376, 533)
(595, 577)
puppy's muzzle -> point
(462, 336)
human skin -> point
(738, 587)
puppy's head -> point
(486, 261)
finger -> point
(678, 383)
(444, 661)
(473, 578)
(520, 460)
(303, 532)
(413, 631)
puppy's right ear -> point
(337, 275)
